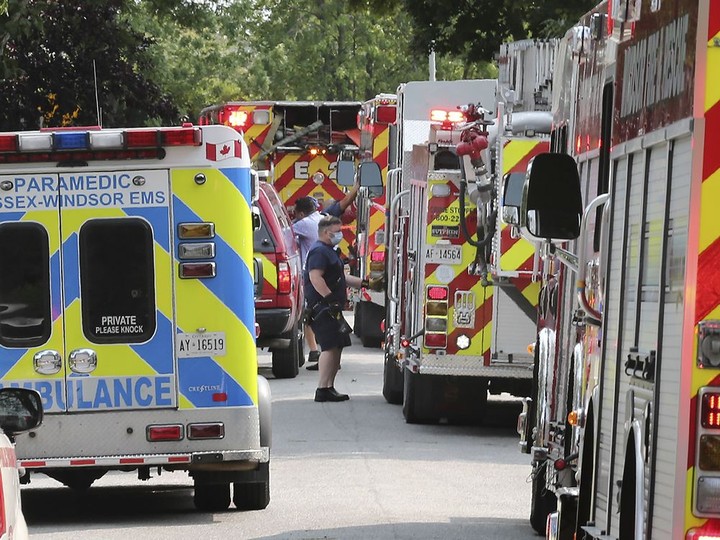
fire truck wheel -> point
(212, 497)
(253, 495)
(392, 379)
(286, 362)
(418, 405)
(542, 501)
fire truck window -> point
(25, 318)
(117, 280)
(446, 160)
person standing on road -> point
(307, 217)
(326, 293)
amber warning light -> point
(710, 411)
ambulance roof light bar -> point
(94, 144)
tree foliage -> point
(475, 29)
(155, 60)
(54, 51)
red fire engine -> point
(623, 422)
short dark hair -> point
(306, 205)
(327, 222)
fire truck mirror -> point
(512, 189)
(370, 175)
(345, 172)
(552, 201)
(257, 276)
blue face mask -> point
(336, 238)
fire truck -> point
(376, 120)
(298, 143)
(623, 423)
(126, 302)
(441, 351)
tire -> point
(368, 331)
(212, 497)
(392, 379)
(286, 362)
(542, 501)
(253, 495)
(418, 398)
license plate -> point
(443, 254)
(205, 344)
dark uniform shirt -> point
(324, 257)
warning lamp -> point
(317, 151)
(572, 418)
(237, 119)
(405, 343)
(710, 410)
(8, 143)
(435, 341)
(173, 432)
(196, 230)
(452, 117)
(437, 292)
(385, 114)
(463, 342)
(377, 256)
(214, 430)
(197, 270)
(697, 534)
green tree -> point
(473, 30)
(53, 53)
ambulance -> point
(126, 301)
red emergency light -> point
(386, 114)
(437, 293)
(435, 341)
(237, 118)
(710, 410)
(453, 117)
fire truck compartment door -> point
(116, 258)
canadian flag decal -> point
(223, 150)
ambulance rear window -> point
(117, 280)
(25, 318)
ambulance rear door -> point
(117, 282)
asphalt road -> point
(352, 470)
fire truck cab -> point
(126, 302)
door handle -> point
(82, 360)
(47, 362)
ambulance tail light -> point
(197, 270)
(284, 279)
(168, 432)
(184, 136)
(214, 430)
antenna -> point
(97, 100)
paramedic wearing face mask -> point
(325, 295)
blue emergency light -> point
(71, 140)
